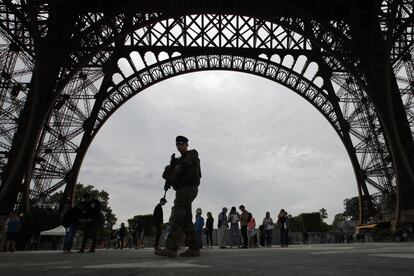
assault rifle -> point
(167, 173)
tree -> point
(337, 220)
(351, 208)
(312, 222)
(324, 213)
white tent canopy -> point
(58, 231)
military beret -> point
(181, 140)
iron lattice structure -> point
(67, 66)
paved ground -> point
(348, 259)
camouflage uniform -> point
(185, 177)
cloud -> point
(260, 145)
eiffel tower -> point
(68, 65)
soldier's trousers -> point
(181, 219)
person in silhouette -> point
(158, 221)
(92, 218)
(184, 175)
(70, 221)
(208, 230)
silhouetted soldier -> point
(183, 174)
(158, 221)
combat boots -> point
(166, 252)
(190, 253)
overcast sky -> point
(259, 143)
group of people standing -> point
(127, 236)
(247, 229)
(86, 216)
(232, 220)
(229, 228)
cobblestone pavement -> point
(369, 259)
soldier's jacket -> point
(186, 170)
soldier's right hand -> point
(166, 187)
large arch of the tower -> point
(171, 57)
